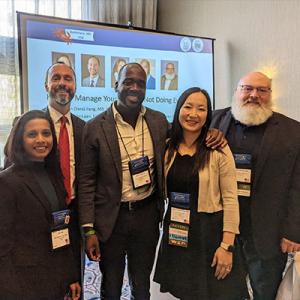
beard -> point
(59, 99)
(251, 115)
(170, 76)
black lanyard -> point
(123, 140)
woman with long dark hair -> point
(35, 255)
(197, 258)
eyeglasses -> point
(261, 90)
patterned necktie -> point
(64, 152)
(92, 83)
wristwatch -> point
(227, 247)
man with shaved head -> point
(266, 147)
(121, 186)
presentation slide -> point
(172, 62)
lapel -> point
(154, 132)
(158, 141)
(168, 166)
(266, 145)
(77, 138)
(109, 129)
(34, 187)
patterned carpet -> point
(92, 279)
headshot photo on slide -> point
(149, 67)
(169, 75)
(117, 63)
(66, 58)
(92, 71)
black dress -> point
(186, 272)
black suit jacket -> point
(100, 182)
(25, 240)
(78, 126)
(275, 196)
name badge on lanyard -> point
(60, 236)
(140, 172)
(181, 200)
(180, 219)
(243, 174)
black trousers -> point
(135, 234)
(265, 274)
(76, 241)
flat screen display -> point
(96, 52)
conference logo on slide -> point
(185, 44)
(197, 45)
(61, 34)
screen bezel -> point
(22, 18)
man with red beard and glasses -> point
(266, 148)
(60, 83)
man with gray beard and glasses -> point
(266, 148)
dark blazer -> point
(99, 83)
(78, 125)
(25, 240)
(150, 85)
(100, 182)
(275, 198)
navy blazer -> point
(100, 182)
(150, 85)
(275, 195)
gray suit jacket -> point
(275, 196)
(100, 182)
(99, 83)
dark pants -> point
(265, 274)
(76, 242)
(136, 235)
